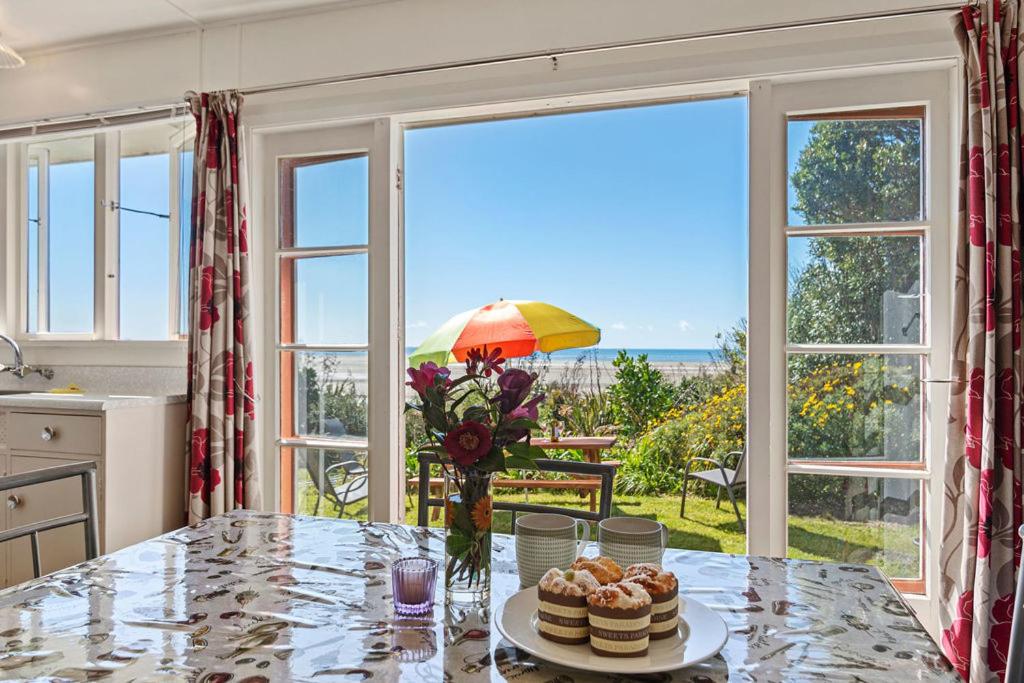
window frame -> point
(106, 254)
(772, 106)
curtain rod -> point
(554, 54)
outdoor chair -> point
(1015, 656)
(343, 483)
(88, 517)
(722, 477)
(604, 508)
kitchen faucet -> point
(19, 369)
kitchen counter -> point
(84, 401)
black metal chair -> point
(89, 515)
(342, 483)
(1015, 657)
(604, 505)
(722, 477)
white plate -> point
(702, 633)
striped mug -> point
(545, 540)
(631, 540)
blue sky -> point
(634, 219)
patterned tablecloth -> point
(257, 596)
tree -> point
(854, 172)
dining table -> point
(260, 596)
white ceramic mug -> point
(545, 540)
(632, 540)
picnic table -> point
(590, 446)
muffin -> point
(663, 588)
(620, 620)
(562, 605)
(603, 569)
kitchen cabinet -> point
(139, 451)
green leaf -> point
(521, 456)
(435, 417)
(494, 461)
(476, 413)
(457, 545)
(521, 423)
(461, 521)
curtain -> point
(224, 472)
(980, 549)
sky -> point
(634, 219)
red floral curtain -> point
(980, 549)
(224, 472)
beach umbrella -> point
(519, 328)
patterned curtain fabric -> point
(982, 499)
(224, 472)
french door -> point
(334, 263)
(850, 184)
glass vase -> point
(467, 536)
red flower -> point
(250, 392)
(208, 313)
(956, 640)
(481, 362)
(200, 445)
(468, 442)
(999, 633)
(426, 376)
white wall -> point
(156, 69)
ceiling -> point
(38, 24)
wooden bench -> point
(582, 485)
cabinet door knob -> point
(13, 501)
(47, 434)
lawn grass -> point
(890, 546)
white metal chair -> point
(88, 517)
(721, 476)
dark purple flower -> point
(515, 386)
(426, 376)
(527, 410)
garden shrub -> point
(640, 395)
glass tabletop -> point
(270, 597)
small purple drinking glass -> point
(412, 581)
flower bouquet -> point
(477, 427)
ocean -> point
(655, 356)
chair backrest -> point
(88, 517)
(1015, 656)
(741, 467)
(604, 505)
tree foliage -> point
(854, 172)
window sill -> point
(164, 353)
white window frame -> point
(385, 355)
(103, 343)
(770, 105)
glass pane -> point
(331, 204)
(862, 520)
(855, 407)
(33, 246)
(330, 394)
(185, 158)
(845, 170)
(144, 288)
(70, 208)
(330, 299)
(331, 483)
(854, 290)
